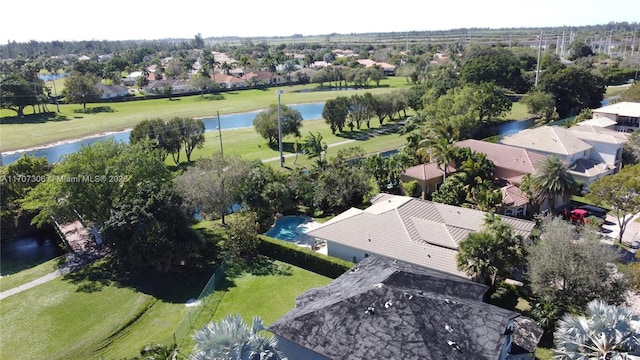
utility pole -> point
(220, 134)
(279, 92)
(538, 65)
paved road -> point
(612, 229)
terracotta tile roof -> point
(548, 139)
(428, 171)
(505, 156)
(513, 196)
(412, 230)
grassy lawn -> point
(72, 122)
(23, 277)
(91, 314)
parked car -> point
(581, 216)
(595, 211)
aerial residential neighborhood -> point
(460, 194)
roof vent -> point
(354, 269)
(454, 345)
(408, 296)
(421, 293)
(370, 310)
(448, 328)
(378, 285)
(388, 304)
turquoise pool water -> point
(287, 228)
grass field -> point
(23, 277)
(90, 316)
(72, 122)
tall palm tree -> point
(231, 338)
(604, 332)
(551, 182)
(441, 150)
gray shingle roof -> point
(394, 310)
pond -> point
(25, 252)
(288, 228)
(55, 152)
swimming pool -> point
(287, 228)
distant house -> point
(228, 81)
(112, 91)
(416, 231)
(386, 309)
(130, 80)
(625, 114)
(177, 87)
(388, 69)
(261, 78)
(589, 152)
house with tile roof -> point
(388, 309)
(626, 115)
(429, 177)
(228, 81)
(589, 152)
(412, 230)
(112, 91)
(263, 78)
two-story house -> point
(626, 115)
(590, 152)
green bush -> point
(305, 258)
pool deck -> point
(306, 240)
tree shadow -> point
(94, 110)
(34, 118)
(174, 287)
(211, 97)
(259, 266)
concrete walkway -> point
(74, 262)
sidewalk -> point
(74, 262)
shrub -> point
(295, 255)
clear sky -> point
(67, 20)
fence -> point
(203, 303)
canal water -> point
(233, 121)
(28, 251)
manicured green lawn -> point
(90, 315)
(73, 123)
(23, 277)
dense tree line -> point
(170, 137)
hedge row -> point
(302, 257)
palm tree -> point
(604, 332)
(232, 339)
(313, 146)
(551, 182)
(441, 150)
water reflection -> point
(28, 251)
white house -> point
(625, 114)
(589, 152)
(416, 231)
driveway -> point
(611, 228)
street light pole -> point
(279, 92)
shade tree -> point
(621, 192)
(266, 123)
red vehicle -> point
(579, 216)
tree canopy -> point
(266, 122)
